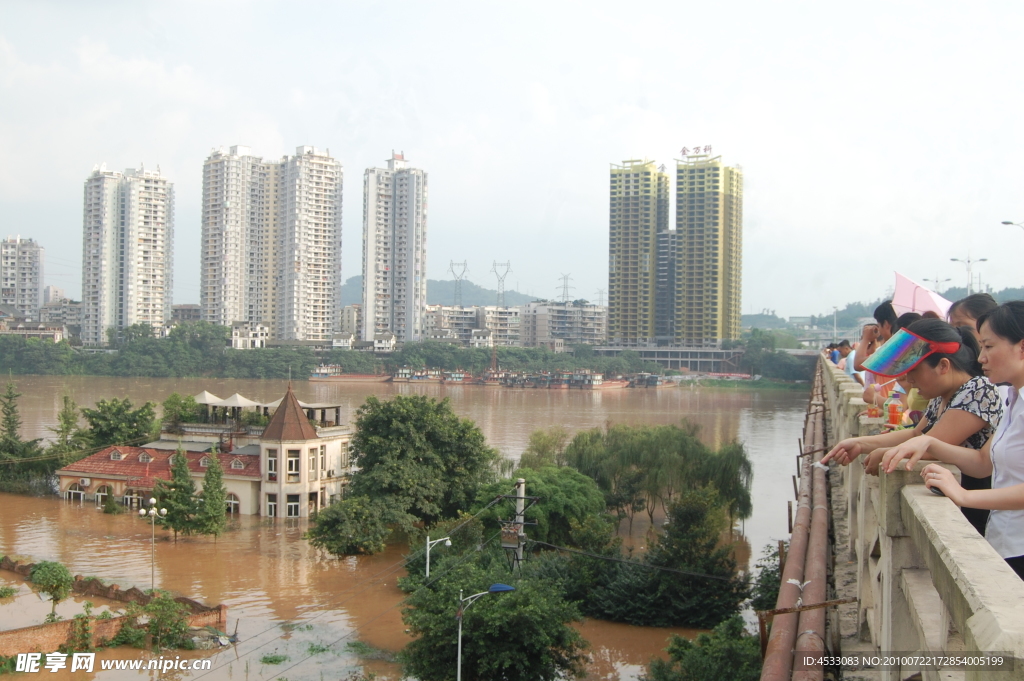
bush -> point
(726, 653)
(766, 586)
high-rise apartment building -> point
(127, 251)
(394, 250)
(638, 212)
(271, 242)
(677, 286)
(21, 275)
(708, 250)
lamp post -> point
(1014, 224)
(465, 603)
(430, 544)
(152, 513)
(936, 282)
(968, 261)
(835, 311)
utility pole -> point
(520, 518)
(969, 262)
(835, 311)
(501, 270)
(458, 270)
(566, 288)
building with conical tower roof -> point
(301, 465)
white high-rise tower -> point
(21, 275)
(394, 250)
(127, 251)
(271, 242)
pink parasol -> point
(913, 297)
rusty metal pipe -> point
(778, 659)
(811, 627)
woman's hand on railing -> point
(943, 479)
(912, 450)
(872, 460)
(844, 452)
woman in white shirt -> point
(1001, 333)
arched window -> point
(101, 494)
(237, 465)
(74, 492)
(133, 498)
(204, 462)
(233, 504)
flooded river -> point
(288, 599)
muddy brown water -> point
(289, 599)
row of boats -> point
(582, 379)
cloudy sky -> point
(873, 136)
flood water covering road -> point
(289, 599)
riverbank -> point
(740, 385)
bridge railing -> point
(927, 582)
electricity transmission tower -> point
(600, 296)
(458, 270)
(501, 270)
(566, 288)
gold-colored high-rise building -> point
(638, 211)
(708, 250)
(681, 286)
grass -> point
(368, 652)
(317, 648)
(8, 591)
(273, 659)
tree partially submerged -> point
(355, 525)
(211, 515)
(178, 496)
(116, 421)
(726, 653)
(54, 580)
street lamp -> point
(430, 544)
(936, 282)
(1014, 224)
(152, 513)
(465, 603)
(969, 261)
(835, 310)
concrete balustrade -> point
(927, 582)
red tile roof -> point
(143, 475)
(289, 423)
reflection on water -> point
(284, 596)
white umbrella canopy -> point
(207, 398)
(236, 400)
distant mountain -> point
(441, 292)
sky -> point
(875, 137)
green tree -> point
(179, 409)
(211, 517)
(355, 525)
(69, 439)
(179, 497)
(168, 620)
(769, 578)
(523, 635)
(417, 452)
(726, 653)
(18, 458)
(566, 496)
(545, 448)
(54, 580)
(115, 421)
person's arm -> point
(849, 449)
(953, 427)
(974, 462)
(1001, 499)
(868, 340)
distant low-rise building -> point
(249, 335)
(63, 312)
(572, 323)
(351, 320)
(343, 340)
(457, 324)
(52, 293)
